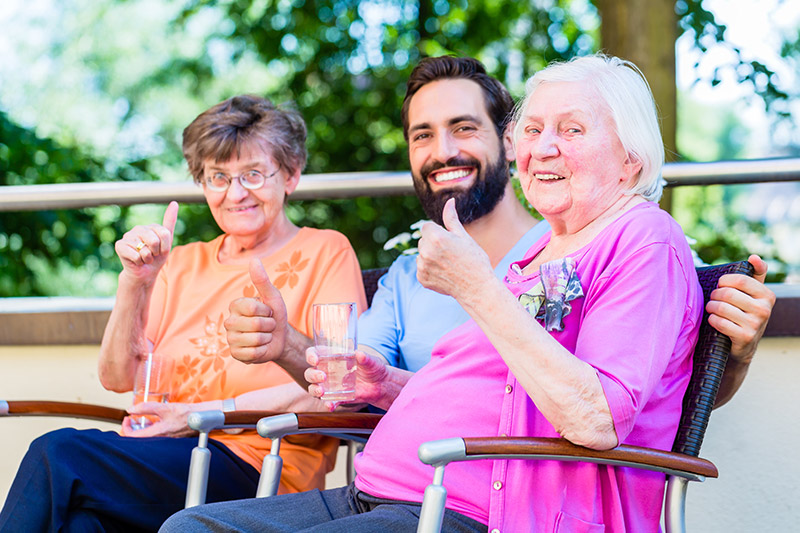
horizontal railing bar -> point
(732, 172)
(93, 194)
(348, 185)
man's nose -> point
(445, 148)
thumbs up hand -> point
(257, 327)
(450, 261)
(144, 249)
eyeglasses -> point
(252, 179)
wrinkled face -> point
(454, 150)
(249, 213)
(572, 166)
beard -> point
(471, 204)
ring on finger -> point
(140, 246)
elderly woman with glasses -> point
(247, 155)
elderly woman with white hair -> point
(589, 337)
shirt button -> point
(495, 530)
(497, 485)
(503, 435)
(509, 388)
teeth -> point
(452, 175)
(548, 177)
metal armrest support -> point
(270, 425)
(204, 422)
(340, 425)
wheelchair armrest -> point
(87, 411)
(342, 425)
(443, 451)
(679, 467)
(205, 421)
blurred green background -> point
(98, 90)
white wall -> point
(753, 441)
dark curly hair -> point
(499, 103)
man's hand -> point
(257, 328)
(740, 307)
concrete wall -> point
(752, 440)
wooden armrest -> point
(338, 421)
(247, 418)
(62, 409)
(446, 450)
(325, 423)
(632, 455)
(334, 424)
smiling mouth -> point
(240, 208)
(548, 177)
(450, 175)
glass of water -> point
(151, 384)
(335, 341)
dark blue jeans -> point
(342, 510)
(91, 480)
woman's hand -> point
(450, 261)
(143, 250)
(371, 377)
(257, 327)
(740, 307)
(172, 420)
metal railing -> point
(79, 195)
(348, 185)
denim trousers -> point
(90, 480)
(342, 510)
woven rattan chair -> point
(681, 465)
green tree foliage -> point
(701, 23)
(32, 241)
(343, 62)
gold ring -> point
(140, 246)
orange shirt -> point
(190, 302)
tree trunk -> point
(644, 32)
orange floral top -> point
(190, 302)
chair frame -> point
(202, 422)
(680, 465)
(348, 427)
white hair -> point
(624, 89)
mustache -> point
(452, 162)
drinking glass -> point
(151, 384)
(335, 341)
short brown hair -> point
(220, 133)
(499, 104)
